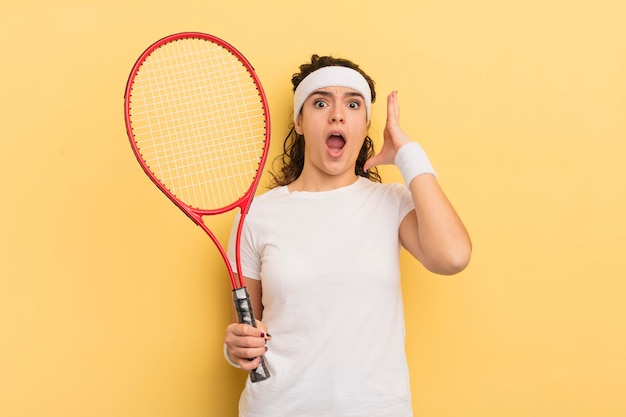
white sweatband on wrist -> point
(229, 359)
(412, 161)
(332, 76)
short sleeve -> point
(405, 200)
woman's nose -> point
(337, 116)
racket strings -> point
(199, 122)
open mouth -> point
(335, 143)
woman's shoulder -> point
(269, 197)
(272, 193)
(382, 187)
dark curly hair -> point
(292, 159)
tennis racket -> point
(198, 123)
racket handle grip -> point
(246, 315)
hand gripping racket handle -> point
(245, 314)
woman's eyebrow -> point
(321, 93)
(354, 94)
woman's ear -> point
(298, 125)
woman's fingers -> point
(246, 343)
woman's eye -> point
(319, 104)
(354, 105)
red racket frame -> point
(194, 214)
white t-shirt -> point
(329, 265)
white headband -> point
(335, 76)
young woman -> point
(320, 256)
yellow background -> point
(112, 303)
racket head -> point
(198, 122)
